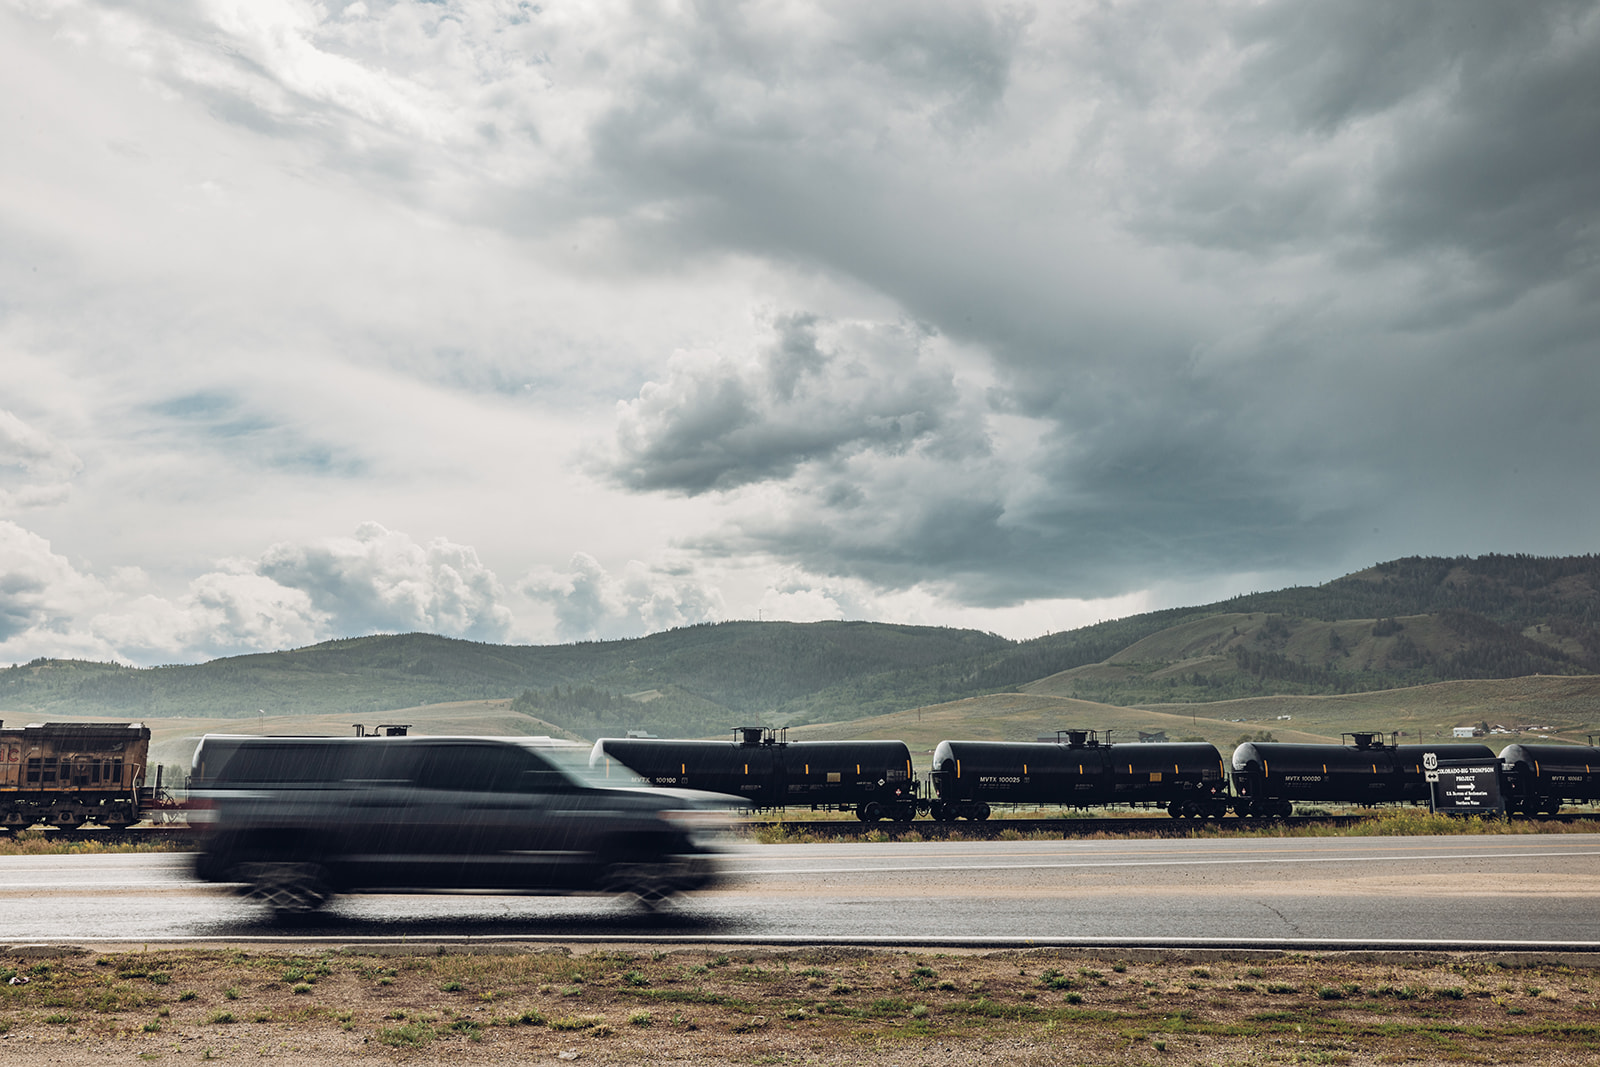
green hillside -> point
(1396, 626)
(699, 678)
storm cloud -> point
(715, 424)
(631, 316)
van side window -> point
(284, 763)
(482, 769)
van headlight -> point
(697, 822)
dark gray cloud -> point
(718, 424)
(1381, 131)
(1330, 227)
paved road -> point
(1298, 891)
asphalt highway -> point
(1462, 892)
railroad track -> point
(179, 836)
(996, 829)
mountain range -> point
(1404, 623)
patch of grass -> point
(408, 1035)
(1054, 979)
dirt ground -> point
(717, 1006)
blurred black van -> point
(295, 820)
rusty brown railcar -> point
(70, 773)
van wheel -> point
(286, 888)
(648, 884)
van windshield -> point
(573, 761)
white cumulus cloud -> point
(591, 603)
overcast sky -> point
(544, 322)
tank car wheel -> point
(940, 812)
(1552, 805)
(872, 812)
(287, 888)
(981, 812)
(1175, 808)
(1285, 809)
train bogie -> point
(68, 774)
(874, 778)
(969, 776)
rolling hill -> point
(1401, 626)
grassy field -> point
(623, 1004)
(1568, 705)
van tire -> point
(286, 888)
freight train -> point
(68, 774)
(1080, 770)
